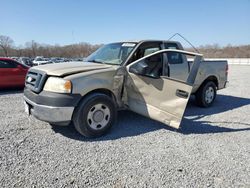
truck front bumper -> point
(51, 114)
(50, 107)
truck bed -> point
(209, 69)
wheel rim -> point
(209, 95)
(98, 116)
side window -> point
(151, 66)
(7, 64)
(148, 51)
(144, 50)
(173, 57)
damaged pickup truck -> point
(152, 78)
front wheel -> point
(206, 94)
(95, 115)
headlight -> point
(58, 85)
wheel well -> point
(210, 78)
(102, 91)
(213, 79)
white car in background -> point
(40, 60)
(57, 60)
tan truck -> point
(152, 78)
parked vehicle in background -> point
(57, 60)
(78, 59)
(40, 60)
(26, 61)
(15, 58)
(152, 78)
(12, 73)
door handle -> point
(181, 93)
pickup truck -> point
(152, 78)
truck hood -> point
(68, 68)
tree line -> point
(33, 49)
(229, 51)
(79, 50)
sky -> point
(64, 22)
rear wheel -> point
(95, 115)
(206, 94)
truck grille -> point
(35, 80)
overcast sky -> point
(65, 22)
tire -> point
(95, 115)
(206, 94)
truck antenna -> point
(178, 34)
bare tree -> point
(33, 45)
(6, 43)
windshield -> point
(115, 53)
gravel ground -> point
(211, 150)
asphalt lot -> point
(212, 149)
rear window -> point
(171, 46)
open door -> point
(150, 92)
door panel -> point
(20, 74)
(7, 77)
(158, 98)
(2, 78)
(11, 74)
(161, 98)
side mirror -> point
(139, 68)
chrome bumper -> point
(51, 114)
